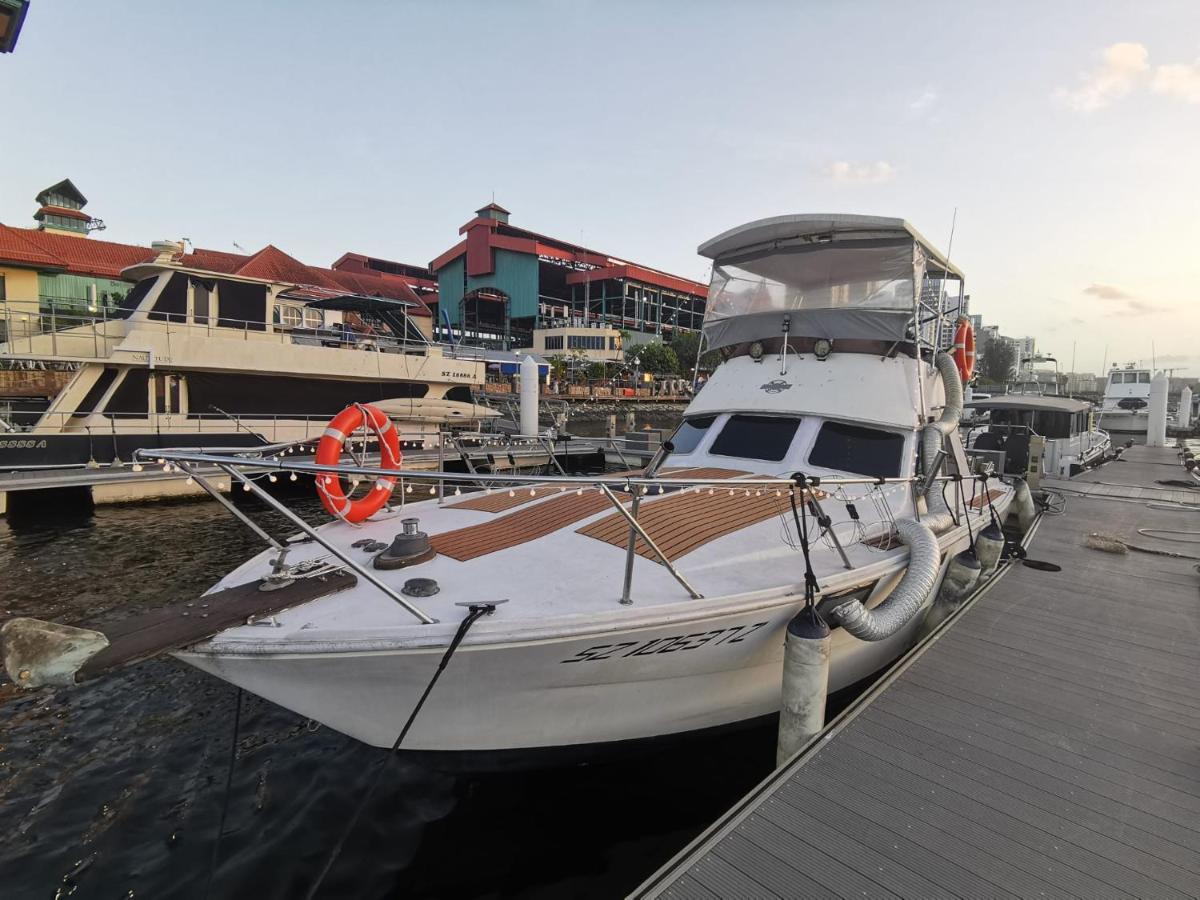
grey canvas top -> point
(1031, 402)
(812, 226)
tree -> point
(685, 344)
(657, 358)
(997, 361)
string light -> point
(408, 490)
(245, 485)
(190, 480)
(137, 467)
(457, 491)
(532, 492)
(512, 493)
(710, 492)
(432, 490)
(272, 479)
(292, 477)
(579, 493)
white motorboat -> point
(1030, 435)
(654, 604)
(1125, 408)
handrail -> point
(242, 465)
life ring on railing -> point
(963, 351)
(329, 453)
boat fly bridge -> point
(820, 471)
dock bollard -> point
(630, 422)
(611, 429)
(989, 544)
(805, 682)
(961, 577)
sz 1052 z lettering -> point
(676, 644)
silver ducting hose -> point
(908, 597)
(938, 516)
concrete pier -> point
(1042, 742)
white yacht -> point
(1125, 408)
(654, 603)
(1029, 435)
(201, 356)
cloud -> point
(1122, 67)
(924, 102)
(1180, 81)
(843, 172)
(1122, 303)
(1107, 292)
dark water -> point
(115, 788)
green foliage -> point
(656, 358)
(998, 359)
(595, 371)
(685, 344)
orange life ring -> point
(329, 453)
(963, 352)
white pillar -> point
(1185, 408)
(529, 397)
(1156, 431)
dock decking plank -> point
(1046, 742)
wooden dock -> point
(1044, 743)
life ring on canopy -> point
(329, 453)
(963, 352)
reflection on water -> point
(115, 788)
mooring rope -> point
(233, 744)
(475, 612)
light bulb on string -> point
(137, 467)
(292, 477)
(245, 485)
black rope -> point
(800, 514)
(233, 745)
(475, 612)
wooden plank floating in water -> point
(30, 643)
(1042, 744)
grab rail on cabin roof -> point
(242, 466)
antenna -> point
(238, 246)
(1153, 357)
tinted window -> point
(756, 437)
(1143, 378)
(861, 451)
(691, 432)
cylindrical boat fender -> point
(989, 544)
(962, 574)
(329, 453)
(1023, 505)
(806, 653)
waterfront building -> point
(500, 284)
(596, 344)
(56, 269)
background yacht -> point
(1125, 408)
(199, 355)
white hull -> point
(1123, 422)
(696, 672)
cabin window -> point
(690, 433)
(858, 450)
(1143, 378)
(243, 305)
(756, 437)
(135, 296)
(171, 303)
(202, 300)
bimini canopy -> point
(834, 276)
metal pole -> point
(228, 504)
(636, 531)
(832, 534)
(441, 467)
(332, 548)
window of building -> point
(858, 450)
(313, 318)
(756, 437)
(585, 342)
(3, 295)
(288, 316)
(690, 433)
(554, 342)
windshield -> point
(756, 437)
(690, 433)
(858, 450)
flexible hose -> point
(907, 598)
(938, 516)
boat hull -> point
(675, 678)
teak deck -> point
(180, 624)
(680, 524)
(539, 520)
(1045, 743)
(501, 502)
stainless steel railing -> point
(242, 465)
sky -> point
(1066, 135)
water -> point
(115, 788)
